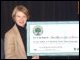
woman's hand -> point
(35, 57)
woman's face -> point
(20, 18)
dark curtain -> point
(40, 11)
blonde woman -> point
(15, 38)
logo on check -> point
(37, 30)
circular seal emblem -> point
(37, 30)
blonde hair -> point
(22, 9)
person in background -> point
(15, 38)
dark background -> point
(40, 11)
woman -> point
(15, 38)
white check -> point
(56, 38)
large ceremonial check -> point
(53, 38)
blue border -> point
(48, 22)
